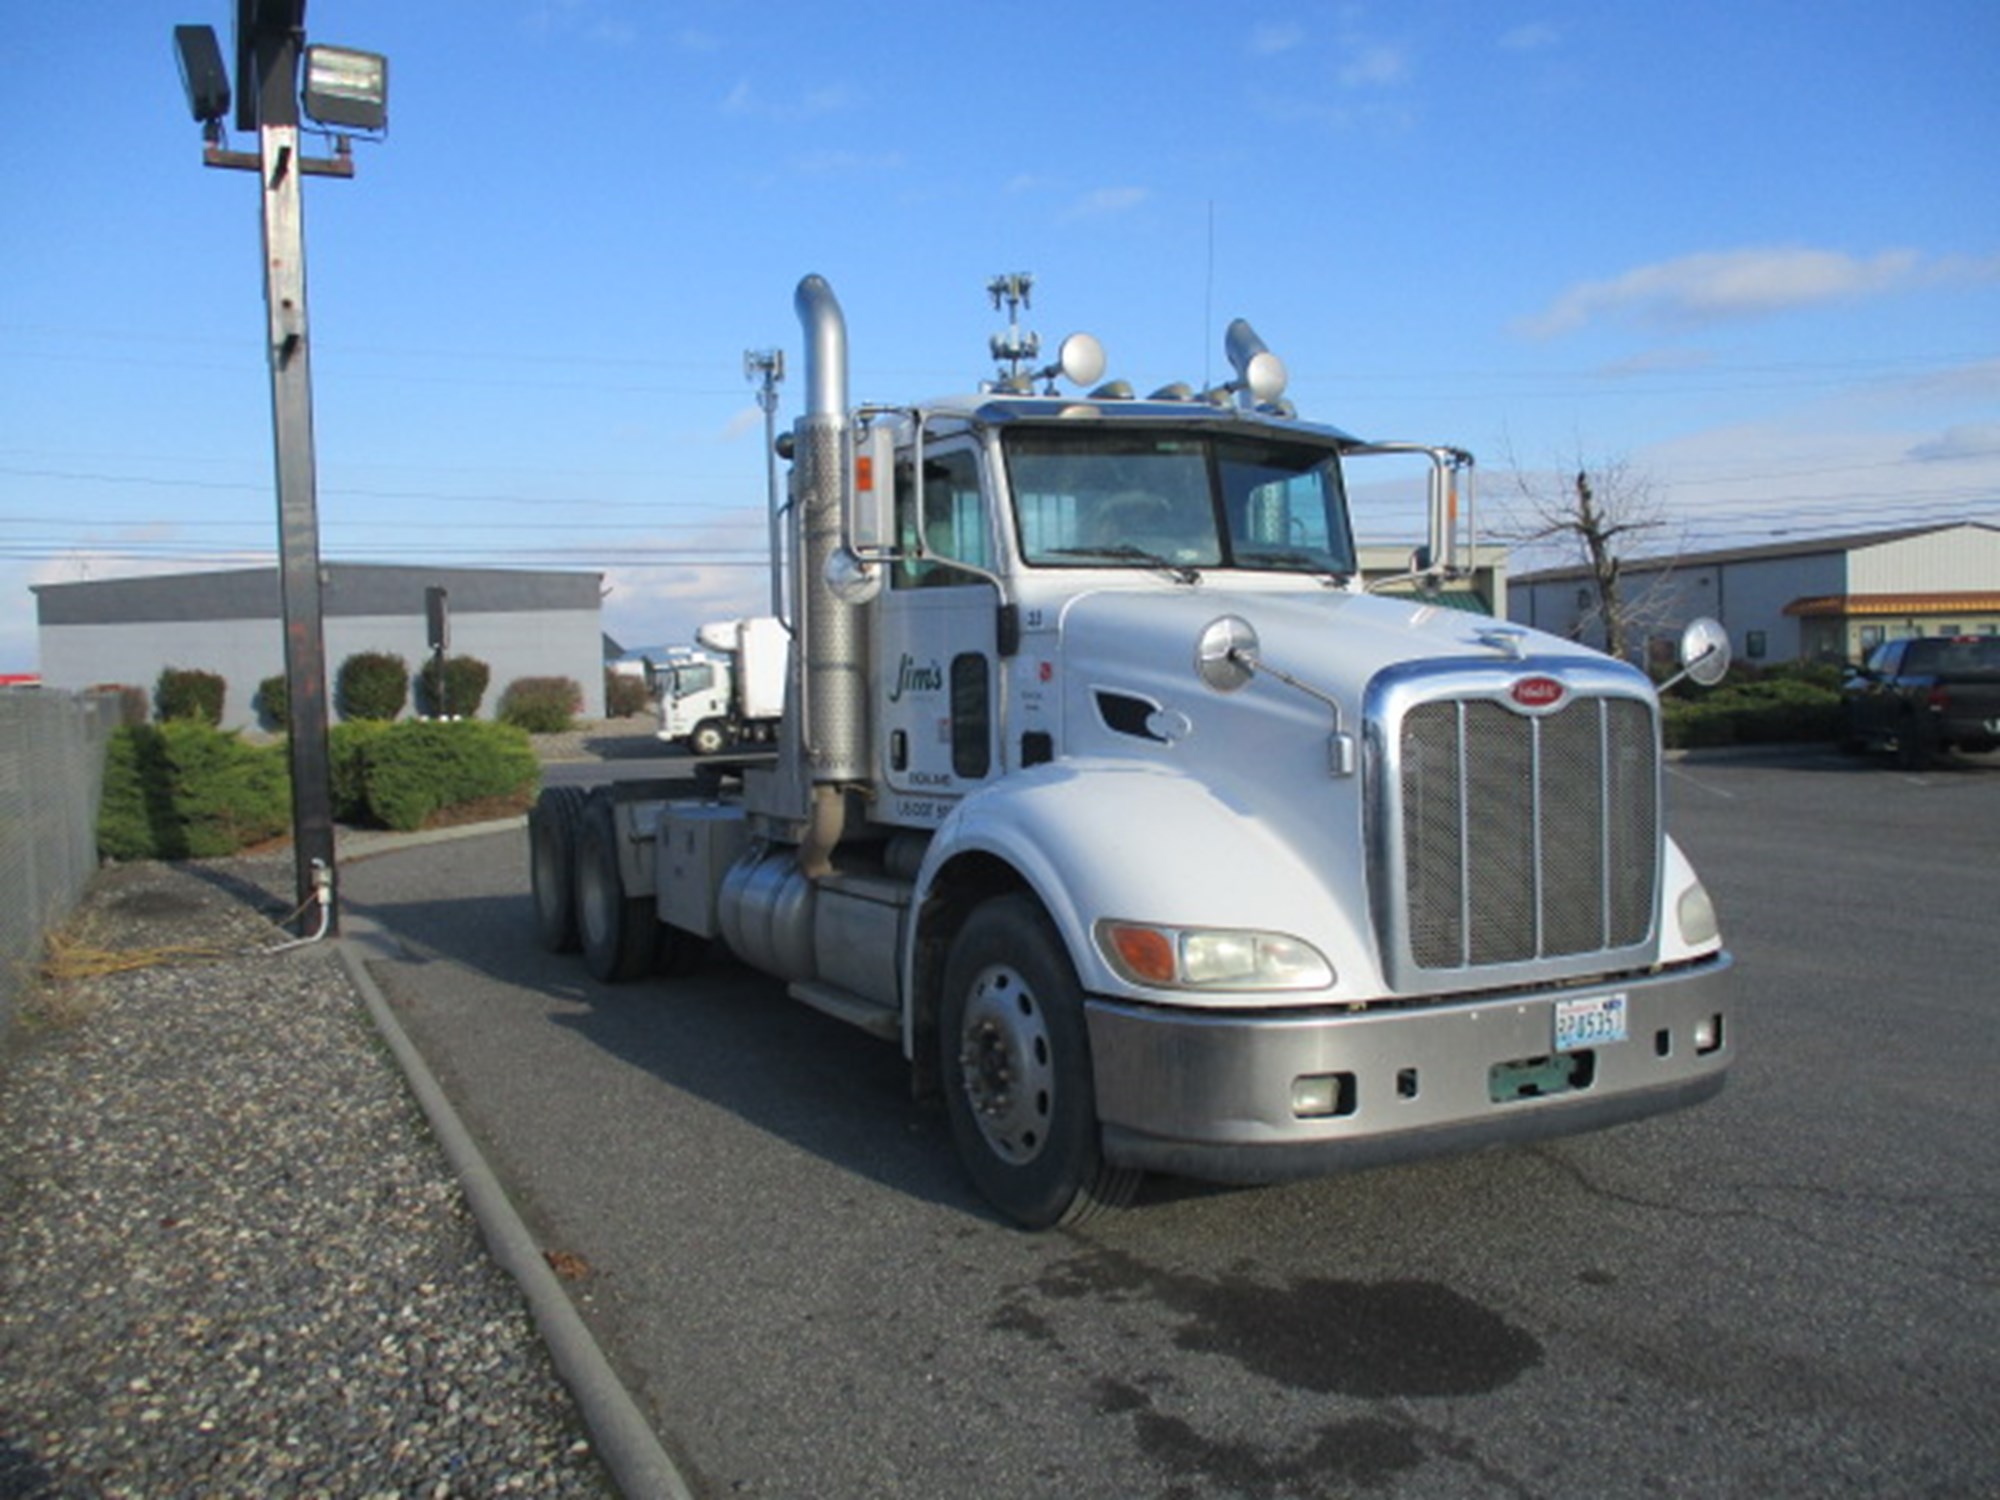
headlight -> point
(1697, 914)
(1211, 958)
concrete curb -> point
(625, 1440)
(366, 843)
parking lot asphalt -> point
(1791, 1290)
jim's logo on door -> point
(911, 678)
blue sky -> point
(1750, 250)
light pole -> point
(769, 366)
(348, 91)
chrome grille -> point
(1527, 837)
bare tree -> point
(1596, 517)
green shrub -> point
(414, 769)
(131, 701)
(1776, 707)
(541, 705)
(347, 766)
(189, 693)
(186, 790)
(624, 694)
(274, 702)
(372, 685)
(458, 691)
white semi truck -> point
(1157, 842)
(731, 691)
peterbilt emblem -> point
(1537, 695)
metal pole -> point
(770, 365)
(298, 512)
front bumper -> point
(1209, 1094)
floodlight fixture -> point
(204, 78)
(346, 89)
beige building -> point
(1828, 599)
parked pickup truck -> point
(1918, 697)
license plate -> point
(1595, 1022)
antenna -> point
(1208, 296)
(1013, 348)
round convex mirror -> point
(1224, 655)
(1705, 651)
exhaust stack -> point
(831, 655)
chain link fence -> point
(51, 780)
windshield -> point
(693, 677)
(1953, 657)
(1097, 497)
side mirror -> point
(1704, 654)
(873, 492)
(851, 579)
(1225, 652)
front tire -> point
(708, 737)
(617, 932)
(1014, 1057)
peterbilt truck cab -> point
(1157, 839)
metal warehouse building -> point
(1833, 598)
(125, 630)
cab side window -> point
(948, 520)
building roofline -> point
(1956, 602)
(1850, 541)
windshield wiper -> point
(1305, 562)
(1126, 552)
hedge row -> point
(398, 775)
(1793, 705)
(625, 695)
(540, 705)
(186, 790)
(371, 686)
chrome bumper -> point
(1209, 1094)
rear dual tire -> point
(552, 831)
(618, 933)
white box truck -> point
(731, 691)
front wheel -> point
(708, 737)
(1014, 1055)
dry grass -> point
(60, 992)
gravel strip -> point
(233, 1260)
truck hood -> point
(1142, 645)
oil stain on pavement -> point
(1314, 1336)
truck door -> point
(937, 678)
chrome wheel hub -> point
(1007, 1065)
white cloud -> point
(1375, 65)
(1955, 444)
(832, 162)
(1106, 201)
(1731, 285)
(665, 605)
(1273, 37)
(745, 100)
(587, 18)
(1534, 36)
